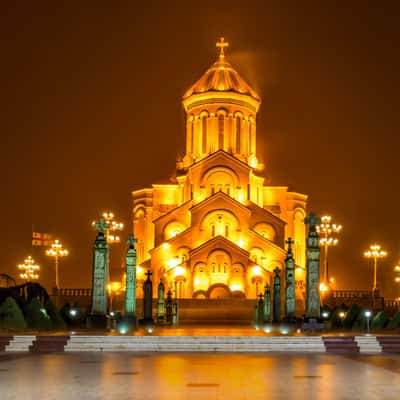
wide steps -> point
(193, 343)
(389, 344)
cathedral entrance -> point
(219, 291)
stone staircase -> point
(389, 344)
(340, 344)
(368, 344)
(49, 344)
(20, 343)
(196, 344)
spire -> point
(221, 44)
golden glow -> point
(235, 287)
(139, 270)
(197, 282)
(114, 287)
(165, 246)
(173, 262)
(323, 287)
(179, 271)
(397, 268)
(257, 270)
(240, 243)
(29, 269)
(342, 314)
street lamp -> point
(368, 315)
(29, 269)
(327, 231)
(113, 227)
(397, 269)
(375, 252)
(56, 251)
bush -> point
(11, 316)
(36, 316)
(335, 319)
(394, 322)
(352, 314)
(360, 322)
(56, 320)
(380, 320)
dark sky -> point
(91, 110)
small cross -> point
(148, 274)
(131, 240)
(289, 242)
(312, 220)
(102, 225)
(260, 296)
(266, 287)
(221, 44)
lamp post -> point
(327, 231)
(368, 316)
(29, 269)
(375, 252)
(397, 269)
(56, 251)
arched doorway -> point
(219, 291)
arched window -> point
(220, 131)
(212, 230)
(204, 134)
(226, 230)
(238, 133)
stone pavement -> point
(123, 376)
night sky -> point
(91, 110)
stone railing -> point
(352, 294)
(73, 292)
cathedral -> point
(218, 231)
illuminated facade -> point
(218, 231)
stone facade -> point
(218, 231)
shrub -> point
(394, 322)
(36, 316)
(380, 320)
(351, 316)
(56, 320)
(11, 316)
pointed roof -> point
(222, 77)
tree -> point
(36, 315)
(11, 316)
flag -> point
(41, 239)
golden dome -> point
(221, 77)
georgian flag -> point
(41, 239)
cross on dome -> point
(221, 44)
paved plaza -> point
(121, 376)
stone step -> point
(368, 344)
(20, 343)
